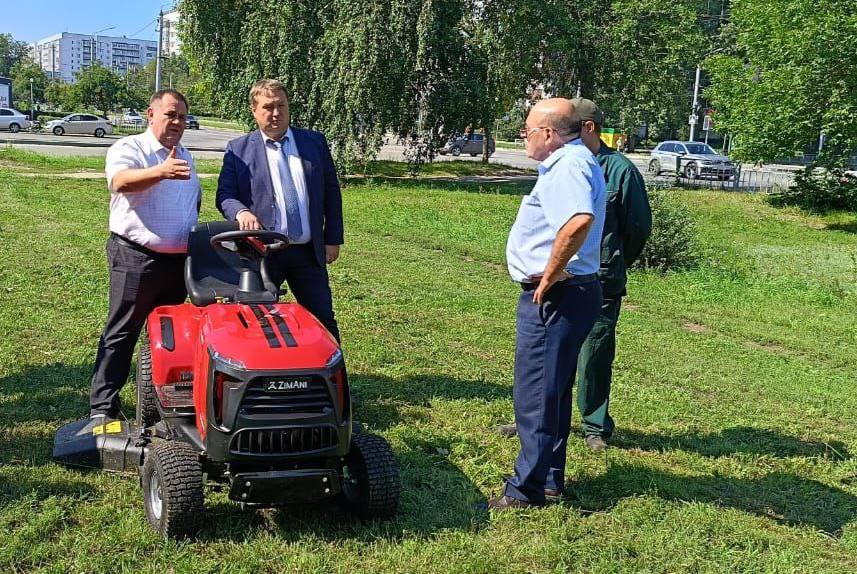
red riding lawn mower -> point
(238, 389)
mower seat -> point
(211, 274)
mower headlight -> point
(235, 364)
(334, 358)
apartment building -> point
(62, 55)
(172, 46)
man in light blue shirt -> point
(554, 253)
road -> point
(204, 143)
(207, 143)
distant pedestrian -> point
(553, 252)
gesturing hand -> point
(174, 168)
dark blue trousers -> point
(549, 337)
(308, 281)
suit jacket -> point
(245, 183)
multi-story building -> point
(171, 44)
(62, 55)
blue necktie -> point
(294, 227)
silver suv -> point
(697, 160)
(471, 144)
(13, 120)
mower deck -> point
(111, 446)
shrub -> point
(820, 189)
(673, 245)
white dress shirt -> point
(275, 156)
(160, 217)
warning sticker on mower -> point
(113, 427)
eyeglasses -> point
(525, 132)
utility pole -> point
(158, 63)
(693, 117)
(32, 105)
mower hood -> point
(267, 337)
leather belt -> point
(137, 247)
(573, 280)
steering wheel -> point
(252, 243)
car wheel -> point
(654, 167)
(690, 171)
(147, 406)
(456, 151)
(370, 483)
(173, 489)
(58, 131)
(474, 154)
(99, 133)
(14, 128)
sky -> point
(31, 20)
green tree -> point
(98, 87)
(790, 76)
(21, 74)
(353, 70)
(646, 57)
(11, 52)
(60, 95)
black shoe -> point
(507, 431)
(595, 443)
(96, 421)
(553, 495)
(504, 502)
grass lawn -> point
(736, 439)
(221, 123)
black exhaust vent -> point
(274, 396)
(297, 440)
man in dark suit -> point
(283, 179)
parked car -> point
(471, 144)
(80, 124)
(13, 120)
(133, 119)
(191, 122)
(697, 159)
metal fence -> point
(747, 177)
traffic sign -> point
(692, 119)
(706, 123)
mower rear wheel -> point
(173, 490)
(147, 400)
(371, 484)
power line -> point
(143, 28)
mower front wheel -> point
(371, 484)
(173, 490)
(147, 405)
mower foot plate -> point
(108, 446)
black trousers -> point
(308, 281)
(139, 281)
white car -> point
(13, 120)
(133, 119)
(697, 160)
(80, 124)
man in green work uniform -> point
(627, 226)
